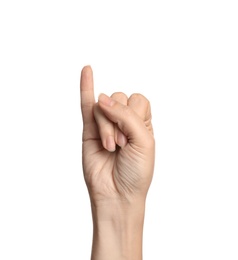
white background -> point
(183, 56)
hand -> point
(118, 164)
(118, 144)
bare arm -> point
(118, 164)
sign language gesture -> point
(118, 162)
(118, 144)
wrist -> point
(117, 230)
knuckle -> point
(119, 95)
(126, 111)
(139, 99)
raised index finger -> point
(87, 95)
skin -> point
(118, 164)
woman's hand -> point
(118, 144)
(118, 164)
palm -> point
(106, 173)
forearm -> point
(117, 231)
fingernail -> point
(121, 139)
(110, 144)
(104, 99)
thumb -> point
(132, 126)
